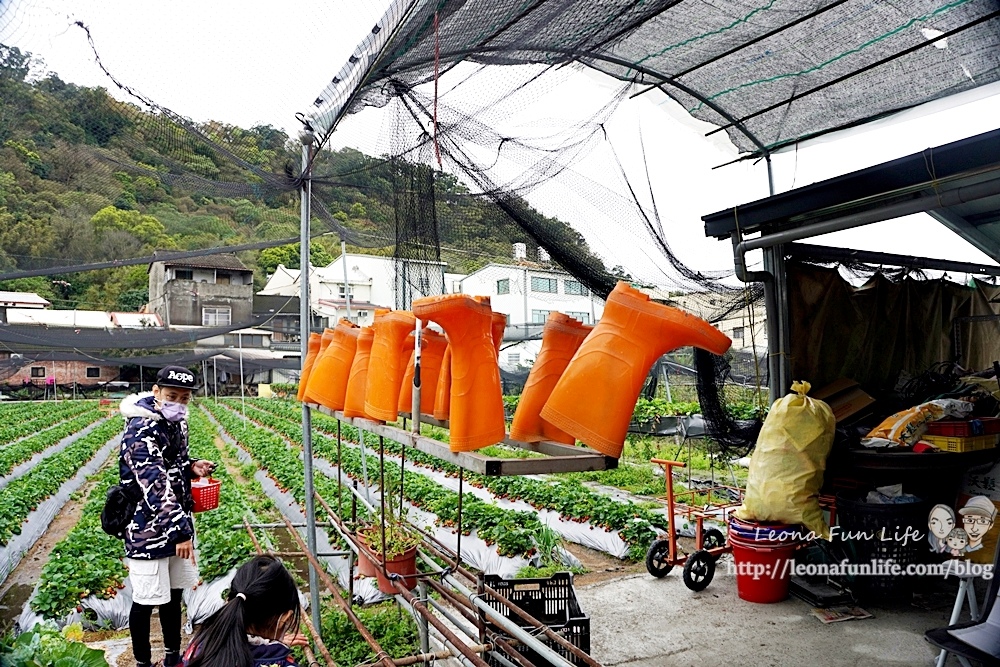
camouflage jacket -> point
(155, 469)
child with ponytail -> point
(258, 624)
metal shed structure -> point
(958, 184)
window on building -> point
(576, 287)
(737, 333)
(216, 317)
(362, 313)
(547, 285)
(513, 358)
(539, 316)
(583, 317)
(184, 274)
(38, 371)
(343, 293)
(503, 286)
(93, 371)
(249, 340)
(222, 279)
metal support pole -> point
(347, 285)
(422, 621)
(204, 376)
(140, 379)
(772, 312)
(243, 395)
(305, 325)
(215, 379)
(415, 403)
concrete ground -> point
(640, 621)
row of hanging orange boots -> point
(583, 385)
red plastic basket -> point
(206, 494)
(965, 428)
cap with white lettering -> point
(176, 376)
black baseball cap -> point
(176, 376)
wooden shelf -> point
(555, 457)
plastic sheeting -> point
(39, 520)
(475, 552)
(24, 467)
(364, 591)
(585, 534)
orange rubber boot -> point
(314, 342)
(561, 338)
(442, 397)
(324, 342)
(594, 399)
(330, 373)
(385, 370)
(498, 325)
(432, 346)
(354, 399)
(476, 413)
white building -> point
(373, 282)
(526, 294)
(747, 326)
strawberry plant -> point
(30, 418)
(22, 450)
(86, 561)
(567, 496)
(22, 496)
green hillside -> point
(87, 178)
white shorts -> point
(153, 579)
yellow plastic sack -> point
(786, 468)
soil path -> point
(16, 590)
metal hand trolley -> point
(710, 543)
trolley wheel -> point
(699, 570)
(657, 563)
(713, 538)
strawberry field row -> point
(220, 548)
(272, 454)
(28, 418)
(571, 499)
(22, 450)
(87, 561)
(512, 531)
(22, 496)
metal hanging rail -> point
(556, 457)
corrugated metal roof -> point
(75, 319)
(26, 298)
(221, 261)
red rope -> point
(437, 63)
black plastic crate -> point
(552, 601)
(576, 632)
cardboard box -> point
(845, 397)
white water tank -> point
(543, 255)
(520, 251)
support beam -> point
(967, 231)
(820, 253)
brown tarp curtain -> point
(874, 332)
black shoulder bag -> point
(119, 509)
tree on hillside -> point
(288, 255)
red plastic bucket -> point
(762, 572)
(205, 493)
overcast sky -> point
(251, 62)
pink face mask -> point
(173, 412)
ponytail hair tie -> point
(241, 596)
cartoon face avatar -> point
(978, 517)
(957, 540)
(941, 521)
